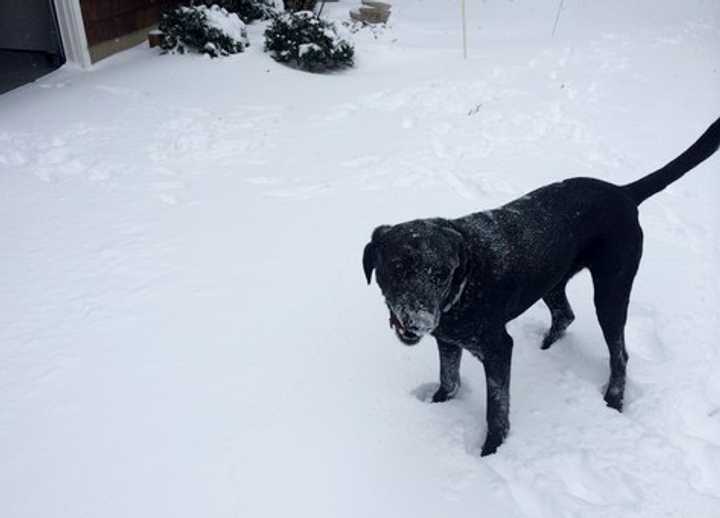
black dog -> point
(462, 280)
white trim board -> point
(72, 31)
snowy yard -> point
(185, 329)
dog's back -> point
(531, 243)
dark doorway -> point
(30, 44)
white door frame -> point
(72, 31)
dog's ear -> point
(369, 260)
(380, 232)
(370, 252)
(460, 270)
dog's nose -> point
(416, 322)
(411, 327)
(404, 320)
(412, 324)
(422, 320)
(407, 321)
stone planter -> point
(371, 12)
(154, 38)
(377, 5)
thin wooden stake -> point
(464, 29)
(557, 16)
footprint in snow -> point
(584, 481)
(424, 392)
(262, 180)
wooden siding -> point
(106, 20)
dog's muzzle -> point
(405, 335)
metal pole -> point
(464, 29)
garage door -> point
(30, 44)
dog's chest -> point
(463, 327)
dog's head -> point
(419, 266)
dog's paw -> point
(614, 399)
(441, 394)
(557, 330)
(495, 437)
(492, 443)
(548, 340)
(552, 336)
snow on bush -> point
(308, 42)
(247, 10)
(210, 30)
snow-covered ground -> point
(185, 329)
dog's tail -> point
(653, 183)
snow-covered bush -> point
(210, 30)
(308, 42)
(248, 10)
(299, 5)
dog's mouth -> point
(405, 336)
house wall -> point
(114, 25)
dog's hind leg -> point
(613, 284)
(450, 356)
(561, 313)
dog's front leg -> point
(450, 356)
(496, 360)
